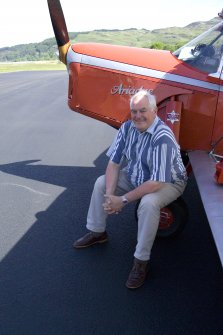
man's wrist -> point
(124, 200)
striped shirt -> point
(151, 155)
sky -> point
(28, 21)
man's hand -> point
(113, 204)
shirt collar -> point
(153, 126)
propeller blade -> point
(59, 27)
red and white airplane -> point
(188, 85)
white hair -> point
(144, 93)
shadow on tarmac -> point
(47, 287)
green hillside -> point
(169, 38)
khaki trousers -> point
(148, 211)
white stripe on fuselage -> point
(118, 66)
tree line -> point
(163, 39)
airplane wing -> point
(211, 194)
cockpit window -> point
(205, 51)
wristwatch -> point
(124, 200)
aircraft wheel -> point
(173, 218)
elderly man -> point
(153, 172)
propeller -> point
(60, 28)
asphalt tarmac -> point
(49, 160)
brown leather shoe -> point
(138, 274)
(89, 239)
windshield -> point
(205, 51)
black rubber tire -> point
(173, 218)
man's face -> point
(142, 114)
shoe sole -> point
(133, 287)
(89, 245)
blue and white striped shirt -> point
(151, 155)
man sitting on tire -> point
(154, 173)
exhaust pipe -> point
(60, 28)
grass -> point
(32, 66)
